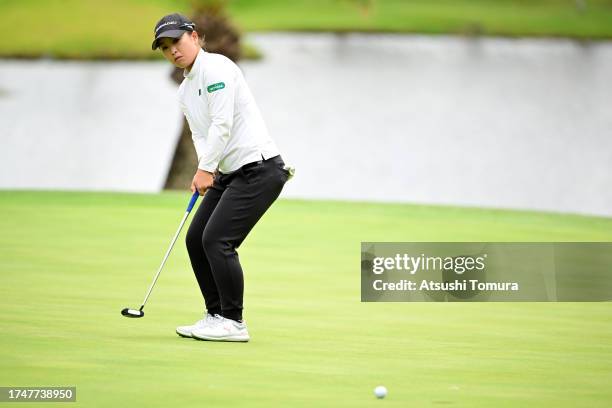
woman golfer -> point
(240, 173)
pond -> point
(505, 123)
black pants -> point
(227, 213)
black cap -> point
(171, 26)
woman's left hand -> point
(202, 181)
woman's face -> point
(181, 52)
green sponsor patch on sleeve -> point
(215, 87)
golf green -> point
(70, 262)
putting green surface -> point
(70, 262)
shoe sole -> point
(184, 335)
(240, 339)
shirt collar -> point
(195, 66)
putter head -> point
(134, 313)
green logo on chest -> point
(215, 87)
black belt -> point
(252, 164)
(258, 162)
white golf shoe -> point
(185, 331)
(222, 329)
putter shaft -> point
(192, 202)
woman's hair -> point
(202, 40)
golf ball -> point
(380, 391)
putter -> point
(135, 313)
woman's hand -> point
(202, 181)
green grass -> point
(123, 29)
(493, 17)
(70, 261)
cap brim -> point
(166, 34)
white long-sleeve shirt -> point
(227, 128)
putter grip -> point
(193, 200)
